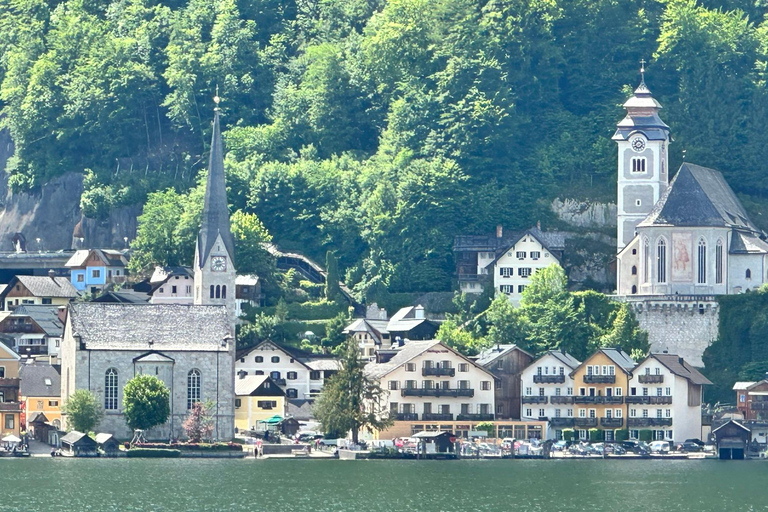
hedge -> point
(621, 434)
(568, 434)
(154, 453)
(645, 435)
(595, 435)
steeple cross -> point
(642, 69)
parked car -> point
(687, 446)
(660, 447)
(559, 446)
(636, 447)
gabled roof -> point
(489, 355)
(45, 286)
(46, 317)
(143, 327)
(564, 357)
(38, 417)
(742, 385)
(551, 241)
(747, 243)
(619, 357)
(103, 437)
(153, 357)
(75, 437)
(405, 320)
(729, 422)
(11, 353)
(699, 196)
(679, 367)
(109, 257)
(247, 280)
(409, 351)
(123, 297)
(215, 217)
(309, 360)
(376, 328)
(250, 383)
(40, 380)
(755, 384)
(162, 274)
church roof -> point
(747, 243)
(698, 197)
(145, 327)
(215, 219)
(642, 116)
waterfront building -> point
(191, 348)
(664, 396)
(92, 270)
(51, 290)
(34, 330)
(370, 332)
(505, 261)
(257, 398)
(506, 363)
(548, 390)
(752, 399)
(40, 389)
(300, 374)
(10, 405)
(600, 384)
(431, 386)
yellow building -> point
(49, 290)
(257, 398)
(41, 394)
(601, 383)
(10, 407)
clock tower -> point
(643, 142)
(215, 250)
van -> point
(659, 447)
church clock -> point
(638, 144)
(219, 264)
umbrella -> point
(274, 420)
(11, 439)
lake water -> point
(40, 484)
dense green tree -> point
(146, 402)
(82, 411)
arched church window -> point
(634, 289)
(218, 291)
(212, 291)
(719, 262)
(661, 261)
(224, 291)
(702, 257)
(646, 259)
(110, 390)
(193, 387)
(634, 270)
(748, 274)
(638, 164)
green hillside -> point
(377, 129)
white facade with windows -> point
(513, 268)
(664, 396)
(428, 381)
(548, 390)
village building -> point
(432, 387)
(665, 395)
(752, 399)
(505, 261)
(51, 290)
(600, 384)
(548, 392)
(411, 323)
(257, 398)
(300, 374)
(10, 404)
(732, 440)
(40, 391)
(172, 285)
(92, 270)
(191, 348)
(506, 363)
(248, 293)
(33, 330)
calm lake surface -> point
(414, 486)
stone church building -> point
(681, 243)
(191, 348)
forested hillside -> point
(378, 129)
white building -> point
(548, 391)
(665, 396)
(300, 374)
(428, 381)
(172, 285)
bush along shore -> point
(185, 450)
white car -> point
(660, 447)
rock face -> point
(52, 212)
(584, 214)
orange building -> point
(10, 407)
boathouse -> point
(731, 439)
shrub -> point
(568, 435)
(154, 453)
(621, 434)
(206, 447)
(319, 310)
(595, 435)
(314, 290)
(646, 435)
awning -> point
(274, 420)
(11, 439)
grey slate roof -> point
(679, 367)
(34, 380)
(699, 196)
(405, 320)
(215, 219)
(45, 317)
(250, 383)
(323, 364)
(564, 357)
(109, 256)
(619, 357)
(747, 243)
(404, 354)
(642, 116)
(133, 326)
(46, 286)
(551, 241)
(489, 355)
(123, 296)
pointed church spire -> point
(215, 219)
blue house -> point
(91, 270)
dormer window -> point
(638, 164)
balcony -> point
(407, 416)
(611, 422)
(549, 379)
(638, 399)
(437, 392)
(649, 422)
(650, 379)
(585, 422)
(436, 417)
(561, 400)
(598, 399)
(759, 406)
(438, 372)
(534, 399)
(474, 417)
(9, 383)
(561, 422)
(661, 400)
(10, 407)
(599, 379)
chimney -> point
(681, 361)
(538, 225)
(61, 314)
(499, 231)
(52, 274)
(418, 312)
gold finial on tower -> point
(216, 98)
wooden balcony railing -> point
(561, 399)
(475, 417)
(549, 379)
(436, 417)
(437, 392)
(611, 422)
(585, 422)
(599, 379)
(438, 372)
(535, 399)
(649, 422)
(650, 379)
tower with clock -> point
(215, 250)
(643, 141)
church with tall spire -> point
(214, 265)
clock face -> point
(638, 144)
(218, 263)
